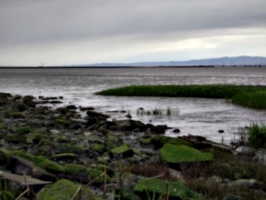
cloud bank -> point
(65, 32)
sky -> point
(68, 32)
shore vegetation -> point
(243, 95)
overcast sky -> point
(66, 32)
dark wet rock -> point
(18, 107)
(92, 113)
(18, 184)
(221, 131)
(21, 166)
(156, 130)
(71, 107)
(85, 108)
(55, 102)
(3, 157)
(128, 125)
(28, 100)
(176, 130)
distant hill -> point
(240, 60)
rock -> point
(21, 166)
(65, 189)
(232, 197)
(156, 130)
(98, 115)
(18, 107)
(221, 131)
(15, 138)
(28, 100)
(159, 140)
(128, 125)
(71, 107)
(3, 157)
(153, 187)
(85, 108)
(176, 130)
(249, 183)
(174, 155)
(123, 150)
(126, 194)
(17, 183)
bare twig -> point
(76, 193)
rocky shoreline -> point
(48, 153)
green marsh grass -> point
(156, 111)
(257, 135)
(248, 96)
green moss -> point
(145, 141)
(2, 126)
(123, 150)
(40, 161)
(100, 148)
(65, 156)
(46, 142)
(158, 189)
(15, 114)
(159, 140)
(62, 121)
(177, 154)
(23, 130)
(35, 137)
(69, 148)
(14, 138)
(63, 190)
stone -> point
(21, 166)
(123, 151)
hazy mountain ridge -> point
(240, 60)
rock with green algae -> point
(65, 190)
(15, 138)
(159, 140)
(183, 154)
(123, 150)
(153, 188)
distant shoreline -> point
(72, 67)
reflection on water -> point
(196, 116)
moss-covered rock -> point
(159, 140)
(15, 114)
(63, 190)
(145, 141)
(100, 148)
(113, 141)
(123, 150)
(159, 189)
(65, 156)
(15, 138)
(23, 130)
(126, 194)
(183, 154)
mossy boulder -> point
(15, 138)
(100, 148)
(123, 151)
(113, 141)
(15, 114)
(173, 154)
(159, 189)
(145, 141)
(65, 156)
(23, 130)
(159, 140)
(63, 190)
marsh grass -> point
(248, 96)
(257, 135)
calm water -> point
(196, 116)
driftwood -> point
(200, 142)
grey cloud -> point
(43, 21)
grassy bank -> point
(248, 96)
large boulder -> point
(159, 140)
(65, 189)
(98, 115)
(17, 183)
(123, 151)
(18, 107)
(21, 166)
(128, 125)
(175, 155)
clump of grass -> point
(254, 99)
(257, 135)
